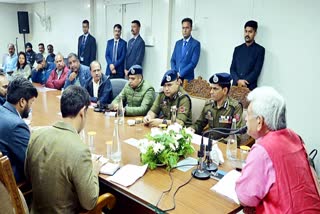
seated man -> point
(41, 73)
(64, 178)
(220, 109)
(173, 95)
(99, 86)
(3, 87)
(78, 74)
(277, 177)
(138, 94)
(14, 132)
(58, 76)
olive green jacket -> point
(181, 100)
(137, 101)
(60, 169)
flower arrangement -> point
(166, 146)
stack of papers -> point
(109, 168)
(128, 174)
(227, 185)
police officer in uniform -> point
(172, 97)
(221, 109)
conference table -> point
(144, 194)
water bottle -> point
(173, 114)
(232, 143)
(120, 111)
(116, 146)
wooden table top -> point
(195, 197)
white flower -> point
(188, 131)
(178, 137)
(158, 147)
(155, 131)
(175, 127)
(144, 144)
(177, 144)
(173, 148)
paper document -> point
(128, 174)
(44, 89)
(227, 185)
(109, 168)
(132, 141)
(191, 162)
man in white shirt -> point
(99, 86)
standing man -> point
(4, 82)
(137, 94)
(136, 47)
(173, 95)
(87, 47)
(42, 50)
(41, 73)
(58, 76)
(64, 178)
(99, 86)
(219, 111)
(10, 61)
(31, 55)
(51, 55)
(14, 132)
(116, 51)
(186, 52)
(247, 59)
(78, 74)
(277, 177)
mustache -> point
(247, 37)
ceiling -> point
(21, 1)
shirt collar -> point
(187, 40)
(225, 105)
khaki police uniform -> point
(162, 106)
(221, 117)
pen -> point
(98, 157)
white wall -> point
(9, 27)
(287, 29)
(66, 24)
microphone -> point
(204, 167)
(201, 172)
(241, 130)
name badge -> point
(225, 119)
(81, 58)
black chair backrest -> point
(117, 86)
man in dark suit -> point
(99, 86)
(87, 47)
(136, 47)
(248, 58)
(14, 132)
(3, 87)
(186, 52)
(116, 51)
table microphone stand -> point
(202, 171)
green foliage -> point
(166, 147)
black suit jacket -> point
(90, 51)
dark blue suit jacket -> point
(135, 52)
(14, 139)
(104, 91)
(121, 56)
(186, 64)
(90, 51)
(247, 62)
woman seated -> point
(23, 69)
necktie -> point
(114, 54)
(184, 46)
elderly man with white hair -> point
(277, 177)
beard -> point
(25, 113)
